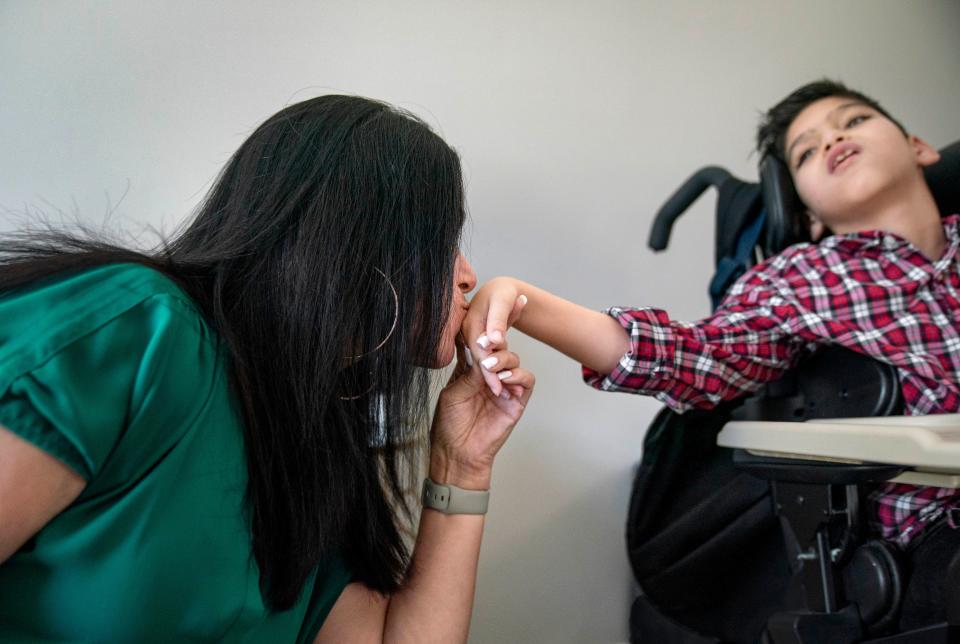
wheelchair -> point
(745, 522)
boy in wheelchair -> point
(882, 279)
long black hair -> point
(327, 209)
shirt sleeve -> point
(753, 337)
(73, 394)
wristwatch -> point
(451, 499)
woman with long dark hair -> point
(214, 440)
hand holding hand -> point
(493, 310)
(472, 423)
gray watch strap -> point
(451, 499)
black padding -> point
(834, 382)
(647, 625)
(737, 204)
(786, 223)
(953, 595)
(702, 538)
(944, 180)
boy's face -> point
(847, 159)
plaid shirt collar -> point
(870, 242)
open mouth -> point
(842, 157)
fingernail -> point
(503, 375)
(505, 394)
(489, 362)
(468, 356)
(496, 336)
(483, 341)
(523, 300)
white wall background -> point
(574, 120)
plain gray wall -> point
(574, 120)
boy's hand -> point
(493, 310)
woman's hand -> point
(493, 310)
(472, 423)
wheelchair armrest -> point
(927, 446)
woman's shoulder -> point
(130, 302)
(94, 356)
(101, 287)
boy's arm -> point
(590, 337)
(750, 340)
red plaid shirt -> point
(872, 292)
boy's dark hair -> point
(772, 132)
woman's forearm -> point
(436, 600)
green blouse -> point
(114, 372)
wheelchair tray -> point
(928, 445)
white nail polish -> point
(489, 362)
(523, 300)
(503, 375)
(483, 341)
(468, 356)
(496, 336)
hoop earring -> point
(393, 327)
(358, 396)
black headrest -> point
(943, 178)
(785, 220)
(737, 203)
